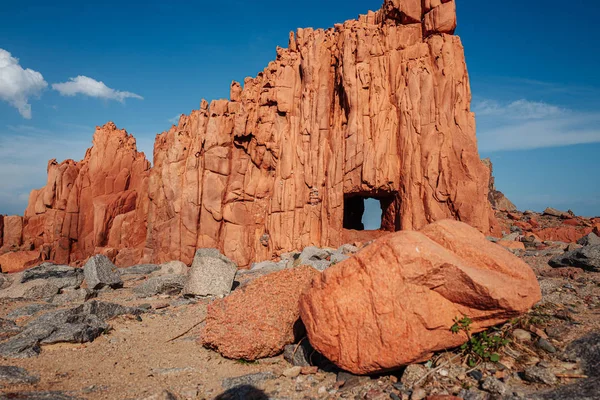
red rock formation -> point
(393, 303)
(12, 237)
(374, 107)
(1, 230)
(97, 203)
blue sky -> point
(533, 68)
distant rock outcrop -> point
(497, 199)
(376, 107)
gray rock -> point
(347, 249)
(313, 253)
(338, 258)
(299, 355)
(29, 310)
(15, 376)
(545, 345)
(556, 213)
(51, 395)
(473, 394)
(62, 276)
(100, 272)
(512, 237)
(494, 386)
(412, 374)
(212, 274)
(270, 266)
(249, 380)
(539, 375)
(80, 324)
(32, 290)
(74, 296)
(140, 269)
(8, 329)
(173, 268)
(590, 240)
(164, 395)
(4, 281)
(319, 265)
(164, 284)
(587, 257)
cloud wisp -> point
(18, 85)
(526, 125)
(93, 88)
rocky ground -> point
(132, 334)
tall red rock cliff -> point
(375, 107)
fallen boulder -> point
(62, 276)
(18, 261)
(590, 240)
(587, 257)
(394, 302)
(260, 319)
(212, 274)
(100, 272)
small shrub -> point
(479, 347)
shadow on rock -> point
(243, 392)
(588, 350)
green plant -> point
(479, 347)
(246, 362)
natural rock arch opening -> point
(368, 212)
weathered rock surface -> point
(587, 257)
(374, 107)
(496, 198)
(16, 376)
(590, 240)
(80, 324)
(36, 289)
(62, 276)
(12, 232)
(8, 329)
(100, 272)
(212, 274)
(259, 320)
(140, 269)
(165, 284)
(18, 261)
(403, 291)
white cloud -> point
(175, 119)
(93, 88)
(523, 124)
(24, 154)
(17, 85)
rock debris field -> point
(368, 320)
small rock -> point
(173, 268)
(309, 370)
(270, 266)
(292, 372)
(100, 272)
(212, 274)
(545, 345)
(8, 329)
(74, 296)
(10, 375)
(412, 374)
(521, 335)
(418, 394)
(590, 240)
(556, 213)
(250, 380)
(476, 374)
(539, 375)
(164, 284)
(164, 395)
(338, 258)
(587, 258)
(494, 386)
(299, 354)
(140, 269)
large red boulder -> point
(260, 319)
(394, 302)
(19, 261)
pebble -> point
(322, 390)
(292, 372)
(476, 374)
(494, 386)
(545, 345)
(418, 394)
(521, 335)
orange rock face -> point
(18, 261)
(564, 233)
(375, 107)
(259, 320)
(100, 202)
(394, 302)
(12, 233)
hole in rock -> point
(366, 213)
